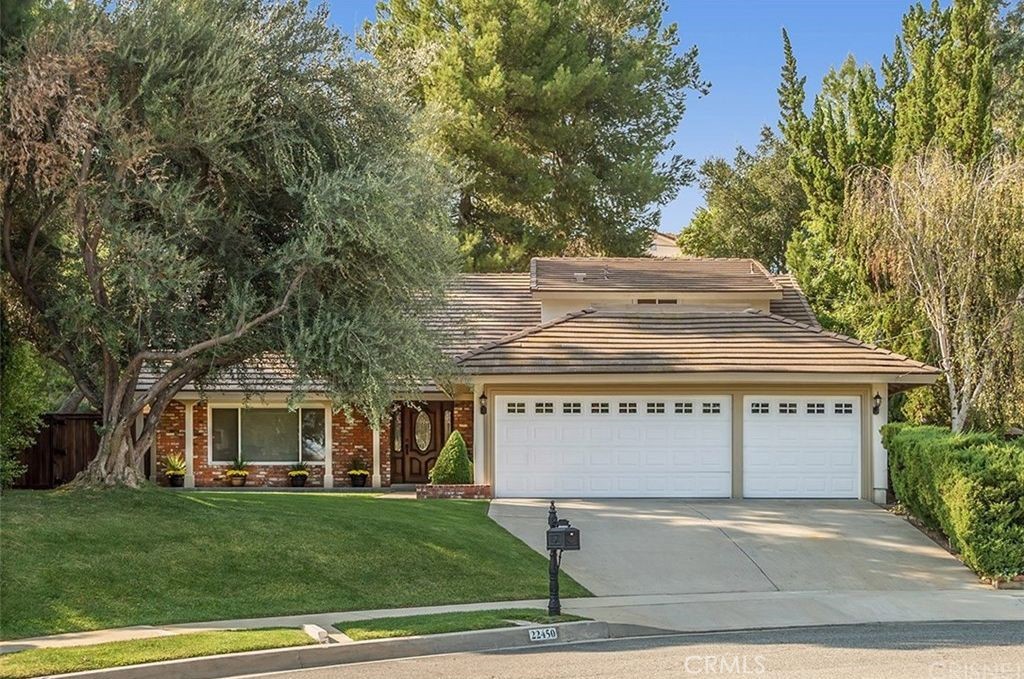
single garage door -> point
(801, 446)
(613, 446)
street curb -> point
(305, 657)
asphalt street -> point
(988, 650)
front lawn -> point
(38, 662)
(441, 623)
(87, 560)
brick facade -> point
(463, 415)
(351, 436)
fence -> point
(65, 444)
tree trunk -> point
(118, 462)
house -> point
(595, 377)
(664, 245)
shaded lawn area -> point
(441, 623)
(83, 560)
(44, 661)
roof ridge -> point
(525, 332)
(835, 335)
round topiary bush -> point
(453, 465)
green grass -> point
(440, 623)
(83, 560)
(44, 661)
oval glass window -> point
(423, 430)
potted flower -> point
(298, 473)
(174, 469)
(237, 472)
(358, 472)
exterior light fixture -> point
(483, 404)
(876, 403)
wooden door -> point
(418, 433)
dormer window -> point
(652, 300)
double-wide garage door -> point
(636, 445)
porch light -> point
(483, 404)
(876, 403)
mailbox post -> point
(561, 536)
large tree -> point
(948, 233)
(187, 185)
(558, 111)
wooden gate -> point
(64, 446)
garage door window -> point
(544, 408)
(711, 408)
(572, 408)
(599, 408)
(759, 408)
(684, 408)
(787, 409)
(516, 408)
(656, 408)
(815, 408)
(844, 409)
(627, 408)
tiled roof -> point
(669, 274)
(793, 304)
(482, 308)
(616, 341)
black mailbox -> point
(564, 537)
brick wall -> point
(352, 437)
(463, 414)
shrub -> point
(453, 465)
(969, 486)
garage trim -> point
(569, 385)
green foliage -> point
(359, 467)
(751, 206)
(298, 469)
(970, 486)
(453, 465)
(1008, 79)
(174, 465)
(559, 112)
(23, 399)
(227, 182)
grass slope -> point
(82, 560)
(440, 623)
(44, 661)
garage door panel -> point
(806, 446)
(627, 446)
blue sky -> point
(740, 53)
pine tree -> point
(792, 117)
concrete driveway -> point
(722, 564)
(690, 547)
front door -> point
(418, 431)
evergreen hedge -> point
(969, 486)
(453, 465)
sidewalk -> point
(657, 613)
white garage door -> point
(613, 446)
(801, 446)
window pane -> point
(313, 438)
(270, 435)
(224, 429)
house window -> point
(599, 408)
(759, 408)
(787, 409)
(656, 408)
(650, 300)
(268, 435)
(684, 408)
(844, 409)
(516, 408)
(544, 408)
(573, 408)
(815, 408)
(627, 408)
(711, 408)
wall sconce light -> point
(483, 404)
(876, 403)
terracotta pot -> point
(176, 480)
(237, 480)
(298, 480)
(358, 480)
